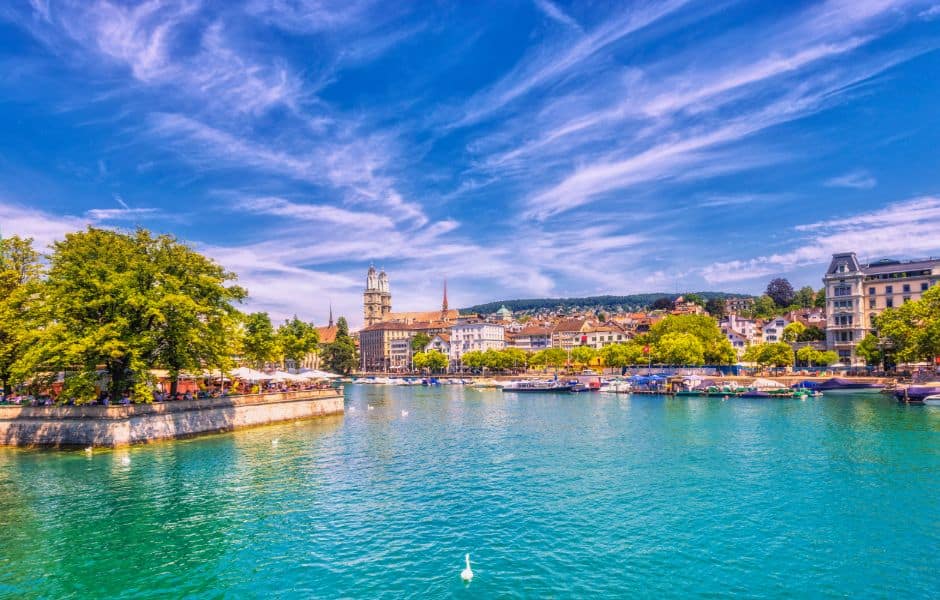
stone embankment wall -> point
(140, 423)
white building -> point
(773, 329)
(475, 335)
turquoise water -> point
(553, 496)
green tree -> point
(259, 344)
(622, 355)
(494, 360)
(820, 300)
(764, 308)
(515, 358)
(583, 355)
(805, 297)
(793, 331)
(679, 349)
(296, 339)
(19, 279)
(419, 342)
(340, 355)
(715, 307)
(130, 302)
(827, 358)
(434, 360)
(473, 359)
(716, 347)
(870, 348)
(549, 357)
(913, 329)
(695, 299)
(778, 354)
(812, 334)
(807, 355)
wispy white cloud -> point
(856, 180)
(907, 228)
(120, 214)
(554, 12)
(316, 213)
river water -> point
(588, 495)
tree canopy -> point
(19, 277)
(716, 349)
(780, 291)
(296, 339)
(259, 343)
(913, 329)
(777, 354)
(127, 302)
(340, 355)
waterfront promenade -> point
(113, 426)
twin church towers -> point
(376, 300)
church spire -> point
(444, 303)
(331, 313)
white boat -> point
(616, 387)
(932, 400)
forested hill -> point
(610, 304)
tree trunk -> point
(174, 386)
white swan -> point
(467, 574)
(404, 413)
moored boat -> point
(538, 386)
(917, 394)
(839, 384)
(932, 400)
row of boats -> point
(925, 393)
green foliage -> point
(434, 360)
(778, 354)
(678, 348)
(582, 355)
(716, 348)
(129, 302)
(812, 334)
(820, 300)
(259, 343)
(805, 297)
(419, 342)
(623, 355)
(793, 331)
(871, 350)
(473, 359)
(695, 299)
(715, 307)
(340, 355)
(296, 339)
(913, 329)
(549, 357)
(19, 277)
(764, 308)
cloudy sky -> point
(519, 148)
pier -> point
(113, 426)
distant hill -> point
(610, 304)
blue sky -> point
(519, 148)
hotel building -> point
(856, 293)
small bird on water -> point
(467, 574)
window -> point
(871, 303)
(907, 288)
(871, 291)
(842, 290)
(889, 302)
(889, 289)
(924, 286)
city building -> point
(467, 336)
(735, 305)
(375, 344)
(772, 330)
(440, 342)
(604, 334)
(569, 333)
(532, 338)
(376, 299)
(856, 293)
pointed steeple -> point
(444, 303)
(331, 314)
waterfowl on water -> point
(467, 573)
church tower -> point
(444, 316)
(376, 300)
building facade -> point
(856, 293)
(376, 299)
(475, 335)
(375, 345)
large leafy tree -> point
(126, 302)
(19, 278)
(764, 307)
(805, 297)
(583, 355)
(780, 291)
(433, 360)
(716, 348)
(793, 331)
(296, 339)
(715, 307)
(870, 348)
(340, 355)
(259, 343)
(778, 354)
(622, 355)
(420, 341)
(913, 329)
(679, 348)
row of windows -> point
(843, 320)
(889, 302)
(905, 275)
(906, 288)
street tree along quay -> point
(911, 332)
(296, 339)
(258, 340)
(128, 302)
(340, 355)
(776, 354)
(433, 360)
(20, 274)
